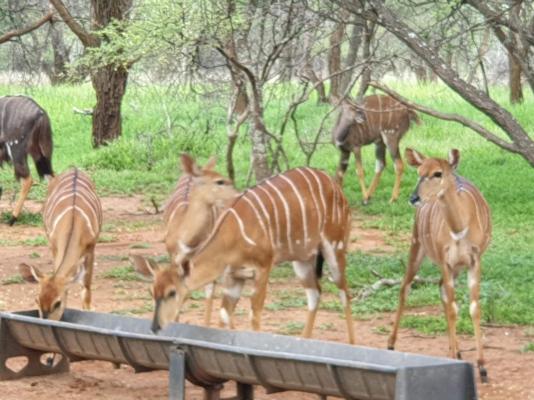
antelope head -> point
(436, 175)
(168, 290)
(53, 290)
(350, 114)
(210, 194)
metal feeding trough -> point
(209, 357)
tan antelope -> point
(186, 231)
(381, 120)
(299, 216)
(453, 228)
(24, 129)
(72, 218)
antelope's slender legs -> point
(209, 291)
(342, 167)
(258, 298)
(305, 272)
(26, 185)
(233, 286)
(361, 173)
(87, 278)
(399, 169)
(414, 262)
(474, 310)
(380, 153)
(344, 294)
(450, 308)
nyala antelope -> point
(24, 129)
(72, 217)
(299, 216)
(188, 223)
(381, 120)
(453, 228)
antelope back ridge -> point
(72, 217)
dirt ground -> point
(130, 227)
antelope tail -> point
(43, 135)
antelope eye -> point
(172, 293)
(220, 182)
(437, 174)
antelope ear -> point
(145, 267)
(414, 158)
(210, 165)
(29, 273)
(454, 158)
(189, 165)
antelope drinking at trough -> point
(72, 217)
(24, 129)
(381, 120)
(189, 223)
(299, 216)
(453, 228)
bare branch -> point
(19, 32)
(486, 134)
(88, 39)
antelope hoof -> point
(12, 220)
(390, 347)
(483, 374)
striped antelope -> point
(381, 120)
(189, 223)
(299, 216)
(24, 129)
(453, 228)
(72, 217)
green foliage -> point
(528, 348)
(432, 325)
(24, 218)
(123, 273)
(291, 328)
(13, 280)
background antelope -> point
(72, 217)
(24, 129)
(453, 228)
(299, 216)
(188, 223)
(381, 120)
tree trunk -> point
(334, 60)
(57, 72)
(307, 72)
(354, 45)
(110, 84)
(516, 90)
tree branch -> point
(448, 117)
(19, 32)
(87, 39)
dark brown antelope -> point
(453, 228)
(381, 120)
(299, 216)
(72, 217)
(24, 129)
(194, 228)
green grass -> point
(528, 348)
(13, 280)
(145, 161)
(291, 328)
(25, 218)
(123, 273)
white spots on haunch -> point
(313, 298)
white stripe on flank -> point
(64, 212)
(302, 209)
(320, 186)
(241, 227)
(176, 208)
(314, 199)
(288, 217)
(256, 213)
(265, 214)
(477, 214)
(275, 210)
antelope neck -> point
(451, 205)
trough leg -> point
(177, 375)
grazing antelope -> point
(299, 216)
(453, 228)
(381, 120)
(24, 129)
(186, 231)
(72, 217)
